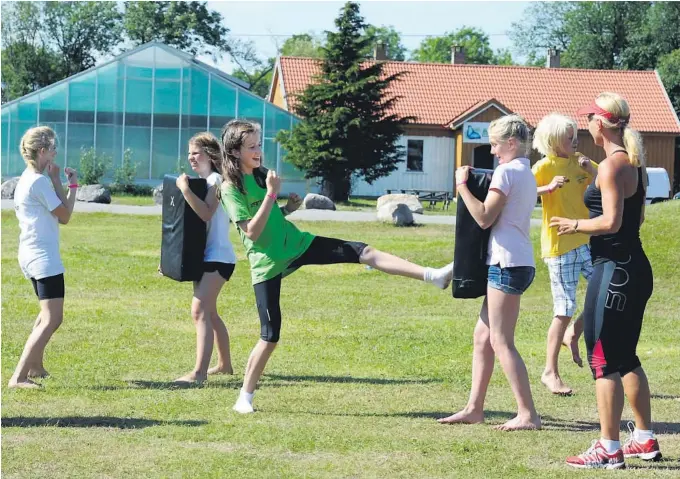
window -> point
(414, 159)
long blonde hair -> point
(210, 145)
(511, 126)
(34, 140)
(551, 132)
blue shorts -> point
(513, 280)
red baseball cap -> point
(593, 109)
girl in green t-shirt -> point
(276, 248)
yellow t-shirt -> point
(566, 202)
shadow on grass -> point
(666, 396)
(582, 426)
(664, 464)
(488, 415)
(346, 379)
(93, 421)
(143, 384)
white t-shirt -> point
(218, 248)
(34, 201)
(509, 243)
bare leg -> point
(610, 397)
(51, 317)
(203, 305)
(503, 314)
(551, 376)
(256, 364)
(483, 360)
(390, 264)
(571, 339)
(37, 370)
(636, 387)
(223, 350)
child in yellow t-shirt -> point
(562, 177)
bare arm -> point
(611, 188)
(485, 214)
(253, 228)
(64, 211)
(204, 209)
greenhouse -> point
(150, 101)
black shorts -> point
(321, 251)
(615, 306)
(225, 269)
(51, 287)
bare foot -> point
(463, 417)
(191, 378)
(221, 370)
(25, 384)
(555, 385)
(520, 424)
(38, 373)
(571, 341)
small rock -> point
(397, 213)
(158, 194)
(411, 201)
(8, 188)
(94, 194)
(318, 202)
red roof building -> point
(451, 100)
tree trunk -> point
(337, 189)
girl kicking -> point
(276, 248)
(205, 158)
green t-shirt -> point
(280, 242)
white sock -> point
(246, 396)
(642, 435)
(610, 446)
(440, 277)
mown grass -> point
(365, 365)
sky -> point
(267, 22)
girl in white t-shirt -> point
(41, 204)
(507, 211)
(219, 260)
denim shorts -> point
(512, 280)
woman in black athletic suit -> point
(620, 286)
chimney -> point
(553, 60)
(457, 55)
(379, 52)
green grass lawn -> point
(124, 199)
(365, 365)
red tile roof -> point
(437, 93)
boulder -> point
(94, 194)
(318, 202)
(8, 188)
(158, 194)
(397, 213)
(411, 201)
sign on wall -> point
(475, 132)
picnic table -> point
(430, 196)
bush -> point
(92, 166)
(127, 172)
(133, 190)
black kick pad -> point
(472, 242)
(184, 232)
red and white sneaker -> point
(647, 451)
(597, 457)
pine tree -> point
(349, 128)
